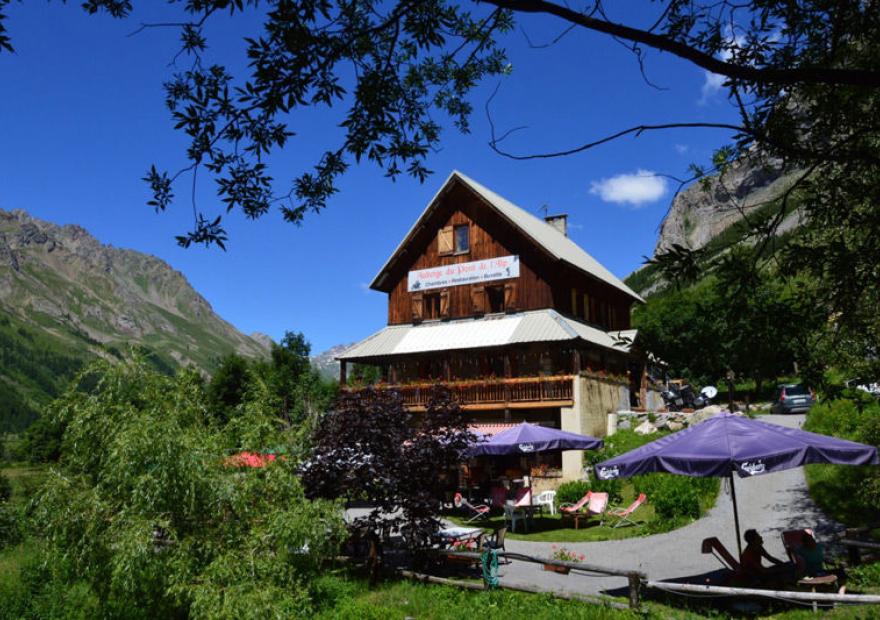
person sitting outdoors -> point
(812, 560)
(813, 556)
(754, 570)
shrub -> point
(677, 497)
(850, 494)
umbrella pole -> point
(735, 515)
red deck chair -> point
(623, 514)
(481, 511)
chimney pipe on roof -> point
(559, 222)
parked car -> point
(792, 398)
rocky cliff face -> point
(63, 281)
(704, 210)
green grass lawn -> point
(551, 528)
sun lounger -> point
(571, 508)
(623, 514)
(594, 504)
(714, 546)
(474, 513)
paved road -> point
(770, 503)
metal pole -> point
(735, 516)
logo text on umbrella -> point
(753, 468)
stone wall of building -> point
(594, 398)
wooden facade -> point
(543, 282)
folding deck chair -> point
(480, 511)
(623, 514)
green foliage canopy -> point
(143, 509)
(743, 317)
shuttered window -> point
(431, 306)
(574, 302)
(586, 312)
(478, 300)
(510, 296)
(445, 242)
(417, 307)
(495, 299)
(444, 304)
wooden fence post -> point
(634, 584)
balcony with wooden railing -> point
(485, 394)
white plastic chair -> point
(547, 498)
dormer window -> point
(462, 239)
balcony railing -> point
(525, 392)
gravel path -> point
(770, 503)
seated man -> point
(753, 569)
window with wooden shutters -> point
(431, 306)
(444, 304)
(445, 241)
(495, 299)
(574, 302)
(478, 300)
(586, 312)
(510, 296)
(417, 307)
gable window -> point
(462, 236)
(495, 299)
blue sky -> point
(82, 117)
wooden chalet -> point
(507, 311)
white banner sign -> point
(500, 268)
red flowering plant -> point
(566, 555)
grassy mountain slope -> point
(65, 298)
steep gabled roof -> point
(543, 234)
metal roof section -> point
(545, 235)
(489, 331)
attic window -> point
(462, 239)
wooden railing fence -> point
(494, 391)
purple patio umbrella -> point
(727, 443)
(528, 438)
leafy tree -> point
(144, 512)
(743, 318)
(368, 447)
(228, 386)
